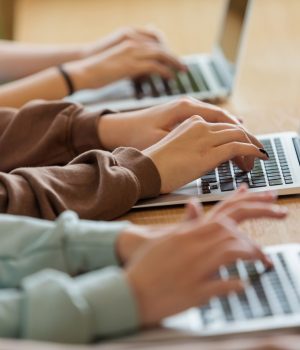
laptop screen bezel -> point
(225, 68)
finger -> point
(211, 113)
(153, 33)
(243, 195)
(230, 135)
(252, 138)
(154, 67)
(246, 163)
(218, 288)
(255, 210)
(155, 52)
(235, 149)
(193, 210)
(240, 249)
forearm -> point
(46, 85)
(95, 305)
(96, 185)
(47, 133)
(18, 60)
(68, 244)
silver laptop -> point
(270, 302)
(280, 173)
(209, 76)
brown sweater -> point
(50, 162)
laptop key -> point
(138, 88)
(154, 90)
(198, 77)
(226, 186)
(194, 85)
(275, 182)
(167, 87)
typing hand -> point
(129, 59)
(176, 270)
(240, 206)
(141, 129)
(138, 35)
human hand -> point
(176, 271)
(138, 35)
(197, 147)
(129, 59)
(242, 205)
(143, 128)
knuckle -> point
(130, 45)
(220, 225)
(184, 102)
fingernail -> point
(264, 152)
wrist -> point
(155, 155)
(109, 131)
(129, 241)
(78, 75)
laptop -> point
(271, 301)
(209, 77)
(280, 173)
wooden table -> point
(267, 95)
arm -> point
(126, 60)
(72, 246)
(18, 60)
(52, 306)
(47, 133)
(68, 244)
(96, 185)
(111, 302)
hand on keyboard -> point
(196, 146)
(143, 128)
(177, 268)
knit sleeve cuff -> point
(85, 130)
(89, 245)
(143, 168)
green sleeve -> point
(70, 245)
(51, 306)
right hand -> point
(241, 205)
(139, 35)
(195, 147)
(129, 59)
(176, 271)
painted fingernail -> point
(264, 152)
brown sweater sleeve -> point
(96, 184)
(46, 133)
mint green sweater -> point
(39, 298)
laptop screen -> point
(232, 30)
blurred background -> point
(271, 59)
(61, 21)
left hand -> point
(143, 128)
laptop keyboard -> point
(272, 172)
(183, 83)
(268, 294)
